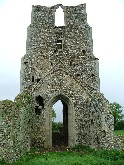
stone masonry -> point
(59, 64)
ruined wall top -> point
(50, 47)
(46, 15)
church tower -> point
(59, 64)
(48, 46)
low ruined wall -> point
(104, 122)
(95, 126)
(15, 127)
(7, 132)
(119, 142)
(95, 123)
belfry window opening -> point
(59, 17)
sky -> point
(106, 17)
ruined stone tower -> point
(60, 65)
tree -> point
(119, 125)
(116, 110)
(53, 114)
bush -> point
(119, 162)
(57, 127)
(119, 125)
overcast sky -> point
(107, 20)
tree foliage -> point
(119, 125)
(53, 114)
(57, 126)
(116, 110)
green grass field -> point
(119, 132)
(77, 156)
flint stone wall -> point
(119, 142)
(59, 65)
(15, 128)
(76, 54)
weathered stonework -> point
(15, 127)
(59, 65)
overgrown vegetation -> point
(119, 132)
(57, 126)
(119, 125)
(116, 110)
(21, 100)
(78, 155)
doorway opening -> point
(60, 124)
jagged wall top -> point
(47, 45)
(46, 15)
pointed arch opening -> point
(60, 123)
(68, 119)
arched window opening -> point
(39, 101)
(59, 17)
(84, 52)
(60, 124)
(39, 106)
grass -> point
(80, 155)
(119, 132)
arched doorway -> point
(60, 124)
(68, 122)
